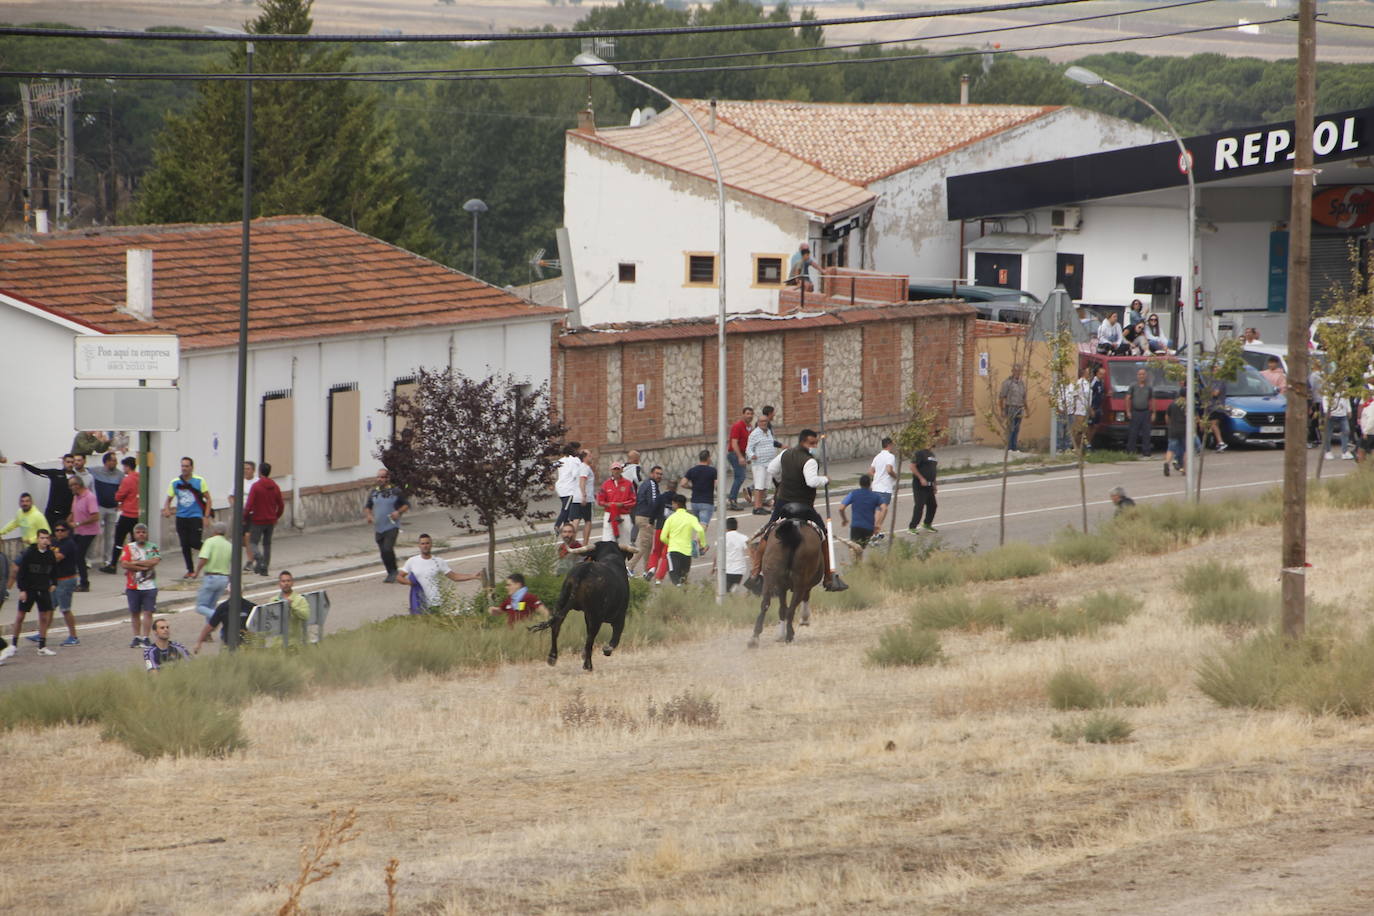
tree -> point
(1000, 422)
(486, 446)
(1225, 365)
(319, 147)
(920, 431)
(1346, 342)
(1064, 378)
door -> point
(997, 269)
(1068, 273)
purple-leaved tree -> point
(482, 448)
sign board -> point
(1344, 207)
(269, 619)
(640, 396)
(127, 356)
(319, 607)
(983, 363)
(145, 409)
(805, 380)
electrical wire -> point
(36, 32)
(402, 76)
(1348, 25)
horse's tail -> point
(789, 534)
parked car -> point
(1121, 375)
(1255, 410)
(993, 303)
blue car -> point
(1254, 409)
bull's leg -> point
(593, 627)
(555, 623)
(758, 624)
(617, 626)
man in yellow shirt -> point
(29, 521)
(680, 532)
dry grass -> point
(826, 784)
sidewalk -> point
(329, 550)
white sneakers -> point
(46, 651)
(7, 652)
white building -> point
(864, 184)
(1118, 221)
(338, 322)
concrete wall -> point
(620, 208)
(1004, 346)
(910, 232)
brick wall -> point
(876, 356)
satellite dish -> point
(647, 114)
(636, 118)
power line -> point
(565, 72)
(1349, 25)
(35, 32)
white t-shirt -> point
(427, 573)
(587, 495)
(568, 467)
(882, 483)
(736, 554)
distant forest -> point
(501, 140)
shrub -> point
(1242, 608)
(687, 708)
(906, 645)
(1344, 686)
(936, 573)
(1212, 576)
(234, 678)
(1108, 456)
(74, 701)
(578, 713)
(1070, 688)
(1109, 608)
(1258, 673)
(1351, 491)
(164, 721)
(1016, 560)
(863, 592)
(957, 612)
(1098, 728)
(1074, 548)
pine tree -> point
(319, 147)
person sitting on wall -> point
(1154, 337)
(803, 271)
(1110, 339)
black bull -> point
(600, 589)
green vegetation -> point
(1222, 594)
(1323, 673)
(1017, 560)
(1046, 620)
(1098, 728)
(959, 612)
(1074, 548)
(906, 645)
(1072, 688)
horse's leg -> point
(555, 623)
(805, 620)
(763, 612)
(791, 613)
(593, 627)
(616, 627)
(783, 601)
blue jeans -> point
(703, 512)
(737, 472)
(212, 585)
(1338, 426)
(1064, 428)
(1013, 427)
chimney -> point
(138, 298)
(40, 222)
(712, 128)
(963, 89)
(586, 121)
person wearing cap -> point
(617, 498)
(803, 270)
(139, 558)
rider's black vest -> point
(792, 486)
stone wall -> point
(682, 388)
(614, 396)
(844, 391)
(763, 370)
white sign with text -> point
(127, 356)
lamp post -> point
(595, 66)
(475, 207)
(1185, 164)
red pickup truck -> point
(1121, 373)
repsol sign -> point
(1265, 147)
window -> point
(768, 269)
(701, 269)
(278, 432)
(345, 411)
(627, 272)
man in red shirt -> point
(261, 511)
(126, 497)
(617, 497)
(739, 445)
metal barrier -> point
(274, 618)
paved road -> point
(1038, 506)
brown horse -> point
(792, 566)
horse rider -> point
(798, 475)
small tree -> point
(1000, 423)
(920, 432)
(487, 446)
(1346, 342)
(1064, 378)
(1225, 365)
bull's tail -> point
(564, 601)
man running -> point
(33, 577)
(162, 650)
(422, 574)
(193, 506)
(799, 476)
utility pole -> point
(24, 96)
(1293, 577)
(67, 154)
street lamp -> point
(1185, 164)
(595, 66)
(474, 207)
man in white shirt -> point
(585, 496)
(736, 555)
(883, 470)
(567, 484)
(422, 574)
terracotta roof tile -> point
(814, 156)
(310, 277)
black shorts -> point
(1367, 444)
(581, 511)
(1217, 415)
(860, 536)
(40, 597)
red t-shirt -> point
(739, 435)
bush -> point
(1245, 607)
(957, 612)
(863, 592)
(906, 645)
(936, 573)
(1344, 686)
(687, 708)
(1016, 560)
(164, 721)
(1212, 576)
(73, 701)
(1070, 688)
(1074, 548)
(1109, 608)
(1098, 728)
(1351, 491)
(234, 678)
(1259, 673)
